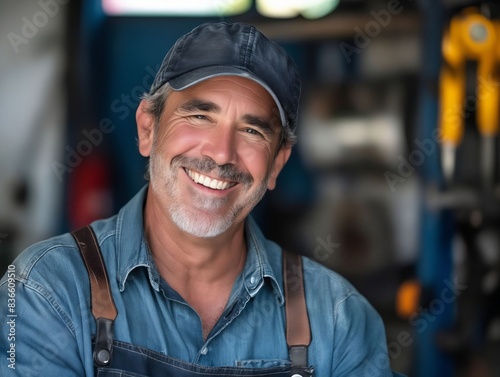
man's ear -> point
(145, 129)
(280, 161)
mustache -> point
(228, 172)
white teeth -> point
(208, 182)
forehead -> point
(242, 89)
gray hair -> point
(155, 103)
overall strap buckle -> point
(298, 331)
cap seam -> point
(174, 59)
(179, 52)
(250, 46)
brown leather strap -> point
(102, 302)
(298, 332)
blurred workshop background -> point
(394, 181)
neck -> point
(193, 265)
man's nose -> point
(220, 145)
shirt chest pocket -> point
(262, 363)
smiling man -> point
(214, 152)
(182, 281)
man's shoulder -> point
(318, 271)
(45, 255)
(326, 282)
(56, 259)
(327, 291)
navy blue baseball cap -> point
(236, 49)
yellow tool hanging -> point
(470, 37)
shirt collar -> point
(263, 262)
(263, 257)
(131, 246)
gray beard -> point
(199, 223)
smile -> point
(209, 182)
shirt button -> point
(252, 280)
(204, 350)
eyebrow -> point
(199, 105)
(262, 124)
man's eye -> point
(252, 131)
(200, 117)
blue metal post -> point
(434, 268)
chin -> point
(201, 225)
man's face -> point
(214, 153)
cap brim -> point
(198, 75)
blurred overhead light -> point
(292, 8)
(176, 7)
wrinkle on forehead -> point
(241, 86)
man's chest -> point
(245, 327)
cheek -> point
(178, 140)
(258, 161)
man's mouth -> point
(212, 183)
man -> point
(198, 290)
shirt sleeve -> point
(360, 347)
(36, 334)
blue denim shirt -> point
(47, 327)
